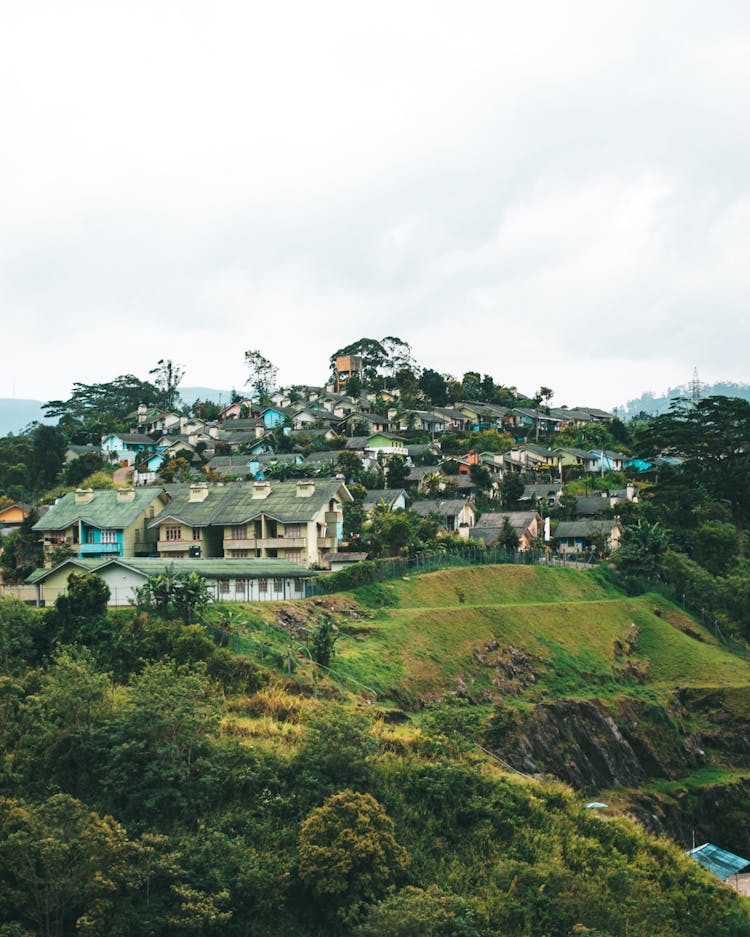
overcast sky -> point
(552, 193)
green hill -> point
(505, 631)
(556, 672)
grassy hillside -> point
(502, 631)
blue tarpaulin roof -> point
(718, 861)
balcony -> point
(266, 543)
(176, 546)
(89, 549)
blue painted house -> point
(124, 447)
(273, 417)
(96, 524)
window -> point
(239, 533)
(262, 586)
(109, 536)
(241, 586)
(278, 585)
(137, 535)
(292, 531)
(197, 533)
(223, 586)
(173, 533)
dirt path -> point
(121, 476)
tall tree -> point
(48, 456)
(543, 394)
(348, 850)
(95, 409)
(263, 374)
(399, 355)
(713, 436)
(374, 356)
(433, 386)
(22, 552)
(167, 377)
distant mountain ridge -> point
(652, 404)
(17, 413)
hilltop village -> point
(311, 475)
(387, 459)
(398, 654)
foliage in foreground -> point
(136, 802)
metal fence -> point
(706, 617)
(398, 567)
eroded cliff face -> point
(597, 744)
(717, 813)
(593, 744)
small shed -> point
(725, 865)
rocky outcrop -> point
(592, 744)
(718, 813)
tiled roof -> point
(345, 557)
(584, 528)
(591, 504)
(520, 520)
(386, 495)
(441, 508)
(357, 442)
(136, 439)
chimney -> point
(125, 495)
(261, 490)
(84, 495)
(305, 488)
(197, 493)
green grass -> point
(710, 776)
(499, 585)
(418, 638)
(566, 619)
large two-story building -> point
(299, 521)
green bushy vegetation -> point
(154, 782)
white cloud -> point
(550, 193)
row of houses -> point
(298, 521)
(247, 427)
(248, 580)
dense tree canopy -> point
(93, 410)
(714, 438)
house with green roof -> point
(248, 580)
(102, 523)
(299, 521)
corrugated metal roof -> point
(719, 862)
(104, 510)
(210, 568)
(234, 503)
